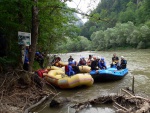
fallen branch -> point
(37, 104)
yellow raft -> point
(84, 69)
(59, 79)
(55, 68)
(61, 64)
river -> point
(138, 63)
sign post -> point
(24, 39)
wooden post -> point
(133, 85)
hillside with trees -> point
(119, 23)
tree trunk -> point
(34, 33)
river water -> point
(138, 63)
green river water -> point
(138, 63)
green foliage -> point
(110, 32)
(73, 45)
(56, 21)
(122, 35)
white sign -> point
(24, 38)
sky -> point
(84, 6)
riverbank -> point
(19, 90)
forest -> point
(115, 24)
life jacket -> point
(40, 72)
(102, 64)
(69, 71)
(66, 69)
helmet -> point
(98, 57)
(37, 53)
(102, 58)
(122, 57)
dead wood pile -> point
(125, 102)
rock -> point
(59, 101)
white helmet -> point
(122, 57)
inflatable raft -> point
(84, 69)
(110, 74)
(61, 64)
(59, 79)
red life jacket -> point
(40, 72)
(66, 69)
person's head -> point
(122, 57)
(37, 53)
(98, 58)
(94, 58)
(90, 56)
(70, 56)
(58, 58)
(102, 59)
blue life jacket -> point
(70, 71)
(102, 64)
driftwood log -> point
(124, 103)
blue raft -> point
(110, 74)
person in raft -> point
(94, 64)
(56, 62)
(102, 64)
(89, 61)
(82, 61)
(70, 59)
(71, 69)
(115, 61)
(123, 63)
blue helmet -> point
(102, 58)
(37, 53)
